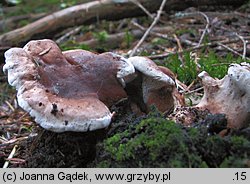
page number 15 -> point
(240, 176)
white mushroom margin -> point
(91, 113)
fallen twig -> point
(16, 160)
(72, 32)
(10, 106)
(206, 28)
(163, 36)
(6, 164)
(143, 8)
(193, 91)
(14, 140)
(233, 51)
(180, 49)
(88, 12)
(156, 19)
(244, 45)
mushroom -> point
(73, 90)
(154, 85)
(229, 96)
(68, 91)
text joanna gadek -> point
(51, 177)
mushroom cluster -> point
(73, 90)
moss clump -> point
(157, 142)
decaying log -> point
(95, 10)
(229, 96)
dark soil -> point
(71, 149)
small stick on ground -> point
(10, 106)
(233, 51)
(143, 8)
(156, 19)
(6, 164)
(207, 25)
(206, 28)
(164, 36)
(151, 32)
(244, 45)
(180, 49)
(193, 91)
(72, 32)
(12, 141)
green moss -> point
(239, 153)
(5, 91)
(101, 36)
(128, 39)
(159, 41)
(23, 23)
(151, 138)
(180, 32)
(186, 72)
(157, 142)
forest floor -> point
(186, 42)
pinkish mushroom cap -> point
(69, 91)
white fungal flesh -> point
(126, 69)
(230, 95)
(150, 69)
(17, 71)
(73, 118)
